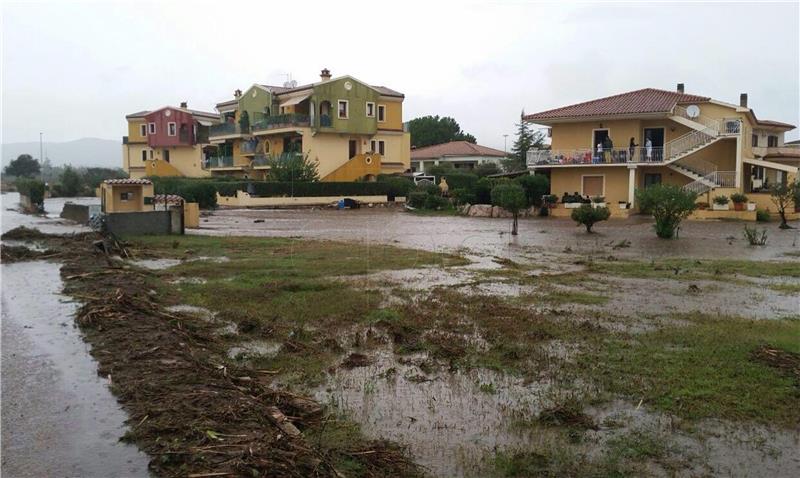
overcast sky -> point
(74, 69)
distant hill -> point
(80, 152)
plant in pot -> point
(550, 200)
(739, 201)
(599, 201)
(721, 203)
(624, 205)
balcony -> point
(325, 121)
(260, 161)
(225, 129)
(264, 123)
(550, 157)
(248, 147)
(218, 162)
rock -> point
(370, 205)
(464, 209)
(497, 211)
(480, 210)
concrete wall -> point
(191, 214)
(242, 199)
(135, 223)
(79, 213)
(569, 180)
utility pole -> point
(505, 144)
(41, 156)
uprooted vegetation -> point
(197, 408)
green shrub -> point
(535, 187)
(668, 204)
(462, 196)
(417, 199)
(396, 185)
(588, 215)
(487, 168)
(738, 198)
(32, 188)
(436, 202)
(753, 237)
(459, 180)
(762, 215)
(483, 191)
(721, 200)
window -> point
(370, 109)
(593, 185)
(151, 128)
(344, 112)
(142, 130)
(151, 154)
(126, 196)
(144, 155)
(772, 141)
(172, 129)
(381, 148)
(166, 155)
(373, 146)
(755, 140)
(381, 113)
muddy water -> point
(488, 236)
(449, 421)
(59, 418)
(49, 222)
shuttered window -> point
(593, 186)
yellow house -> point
(126, 195)
(351, 129)
(614, 145)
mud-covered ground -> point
(554, 354)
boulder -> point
(464, 209)
(497, 211)
(480, 210)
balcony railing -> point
(248, 147)
(213, 162)
(225, 129)
(260, 160)
(325, 121)
(280, 121)
(594, 156)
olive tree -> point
(668, 204)
(783, 195)
(511, 197)
(589, 216)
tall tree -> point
(23, 167)
(526, 140)
(783, 195)
(429, 130)
(71, 182)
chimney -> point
(325, 74)
(184, 104)
(743, 100)
(680, 87)
(237, 93)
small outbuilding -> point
(126, 195)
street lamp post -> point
(505, 144)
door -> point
(599, 137)
(353, 144)
(651, 179)
(656, 136)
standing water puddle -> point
(58, 418)
(449, 421)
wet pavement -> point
(490, 236)
(59, 417)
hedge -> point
(32, 188)
(204, 190)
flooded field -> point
(552, 354)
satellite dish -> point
(693, 111)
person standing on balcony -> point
(608, 145)
(648, 147)
(599, 155)
(632, 150)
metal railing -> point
(248, 147)
(219, 162)
(701, 167)
(260, 160)
(731, 127)
(688, 142)
(714, 179)
(225, 129)
(636, 154)
(280, 121)
(325, 121)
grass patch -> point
(560, 296)
(785, 288)
(702, 370)
(695, 269)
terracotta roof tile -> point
(128, 181)
(455, 148)
(647, 100)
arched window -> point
(325, 113)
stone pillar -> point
(631, 184)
